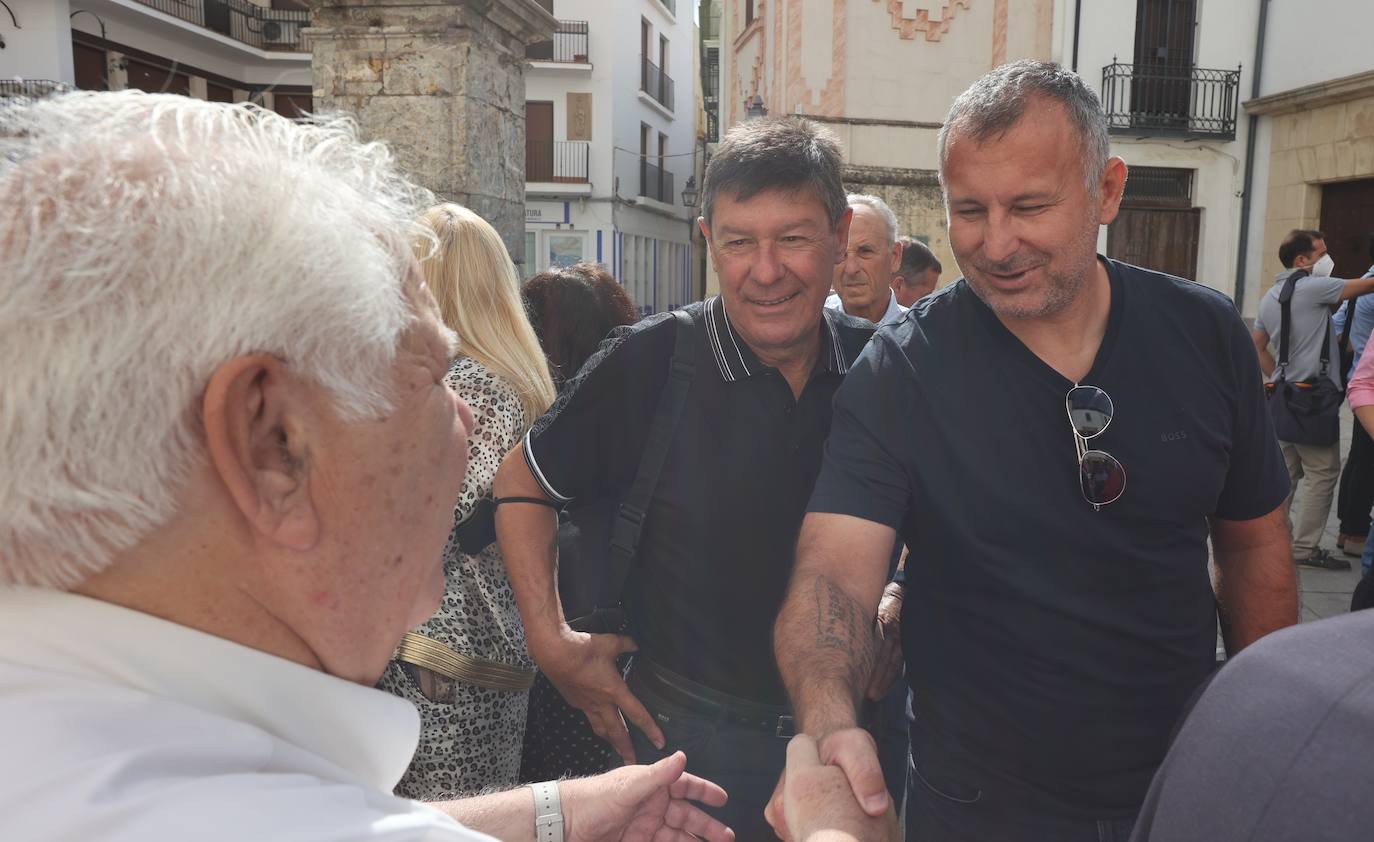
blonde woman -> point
(468, 670)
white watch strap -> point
(548, 812)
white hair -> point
(881, 207)
(145, 240)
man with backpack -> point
(1300, 359)
(712, 499)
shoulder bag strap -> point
(629, 520)
(1286, 308)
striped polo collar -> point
(737, 361)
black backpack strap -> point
(629, 520)
(1286, 308)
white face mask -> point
(1323, 267)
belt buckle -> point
(786, 729)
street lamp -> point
(753, 107)
(690, 193)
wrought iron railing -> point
(1171, 102)
(569, 44)
(248, 23)
(655, 182)
(31, 87)
(654, 82)
(562, 161)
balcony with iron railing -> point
(1190, 102)
(569, 44)
(559, 161)
(245, 22)
(654, 82)
(31, 88)
(655, 182)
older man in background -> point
(863, 282)
(230, 463)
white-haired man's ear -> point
(257, 415)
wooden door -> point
(89, 64)
(1163, 60)
(538, 141)
(1348, 222)
(293, 106)
(1162, 239)
(154, 79)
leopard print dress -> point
(470, 736)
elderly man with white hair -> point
(863, 281)
(230, 463)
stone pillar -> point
(443, 83)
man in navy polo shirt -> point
(1056, 437)
(716, 550)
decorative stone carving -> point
(934, 22)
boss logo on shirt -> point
(1176, 435)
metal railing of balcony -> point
(560, 161)
(655, 182)
(1171, 102)
(569, 44)
(654, 82)
(33, 88)
(245, 22)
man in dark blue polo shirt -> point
(1055, 437)
(717, 544)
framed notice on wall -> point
(565, 247)
(579, 116)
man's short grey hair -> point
(146, 240)
(917, 258)
(996, 102)
(776, 153)
(877, 204)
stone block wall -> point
(1310, 147)
(443, 84)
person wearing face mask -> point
(1315, 295)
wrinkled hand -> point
(887, 662)
(643, 803)
(815, 802)
(583, 668)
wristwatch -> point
(548, 812)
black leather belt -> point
(712, 704)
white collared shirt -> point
(894, 310)
(119, 726)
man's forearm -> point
(1267, 363)
(528, 538)
(824, 646)
(1257, 585)
(505, 815)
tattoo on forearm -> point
(841, 625)
(836, 616)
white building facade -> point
(223, 50)
(610, 144)
(1171, 74)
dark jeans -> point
(948, 807)
(1355, 497)
(744, 761)
(890, 718)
